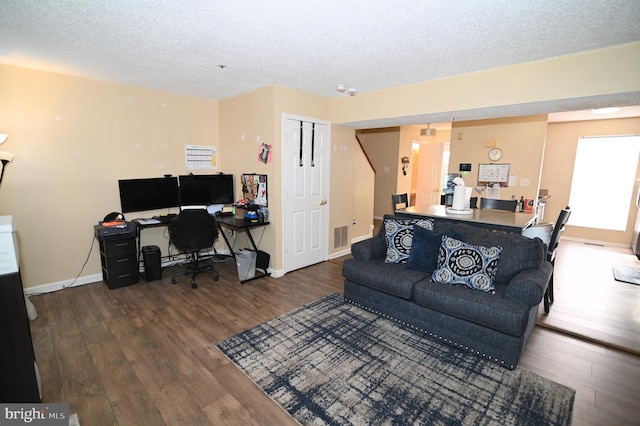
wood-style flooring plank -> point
(145, 354)
(589, 302)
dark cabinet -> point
(119, 257)
(18, 374)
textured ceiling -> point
(179, 46)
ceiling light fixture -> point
(428, 131)
(341, 88)
(3, 137)
(608, 110)
(352, 91)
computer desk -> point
(242, 225)
(223, 221)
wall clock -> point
(495, 154)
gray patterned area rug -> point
(333, 363)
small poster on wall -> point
(254, 189)
(264, 153)
(201, 157)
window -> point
(603, 179)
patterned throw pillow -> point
(399, 236)
(462, 263)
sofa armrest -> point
(528, 286)
(369, 249)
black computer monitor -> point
(206, 189)
(137, 195)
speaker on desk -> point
(152, 263)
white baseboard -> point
(596, 242)
(340, 253)
(93, 278)
(61, 285)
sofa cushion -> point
(399, 236)
(518, 252)
(489, 310)
(371, 248)
(468, 264)
(425, 248)
(390, 278)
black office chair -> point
(490, 203)
(191, 231)
(552, 249)
(399, 201)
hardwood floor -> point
(145, 354)
(589, 302)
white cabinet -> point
(9, 258)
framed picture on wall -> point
(254, 189)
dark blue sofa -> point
(491, 325)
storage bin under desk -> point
(119, 258)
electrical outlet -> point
(353, 222)
(525, 182)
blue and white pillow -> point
(462, 263)
(399, 236)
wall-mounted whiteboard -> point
(498, 173)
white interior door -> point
(306, 181)
(429, 181)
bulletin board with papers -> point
(496, 173)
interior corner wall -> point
(522, 140)
(253, 118)
(346, 181)
(557, 173)
(362, 193)
(246, 122)
(382, 147)
(73, 138)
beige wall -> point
(557, 172)
(566, 77)
(383, 149)
(73, 139)
(362, 195)
(521, 140)
(250, 119)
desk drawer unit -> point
(119, 259)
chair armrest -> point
(528, 286)
(369, 249)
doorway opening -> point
(429, 164)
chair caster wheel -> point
(216, 278)
(173, 280)
(194, 285)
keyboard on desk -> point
(165, 218)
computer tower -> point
(262, 260)
(152, 263)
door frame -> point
(284, 188)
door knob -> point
(323, 202)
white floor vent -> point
(340, 236)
